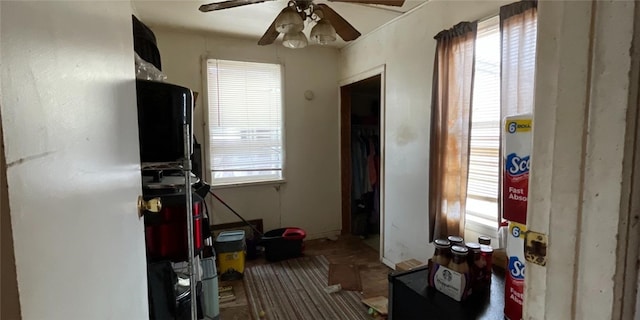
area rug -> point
(294, 290)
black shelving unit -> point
(185, 166)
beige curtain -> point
(518, 29)
(450, 128)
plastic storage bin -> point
(230, 249)
(210, 288)
(283, 243)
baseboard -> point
(326, 234)
(257, 223)
(388, 263)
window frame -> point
(207, 132)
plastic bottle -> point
(442, 255)
(333, 289)
(502, 234)
(486, 240)
(486, 257)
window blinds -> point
(245, 121)
(519, 34)
(482, 190)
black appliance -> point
(163, 110)
(410, 298)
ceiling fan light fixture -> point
(295, 40)
(289, 21)
(323, 32)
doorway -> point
(362, 158)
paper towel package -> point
(517, 141)
(517, 137)
(514, 279)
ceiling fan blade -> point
(394, 3)
(228, 4)
(271, 34)
(343, 28)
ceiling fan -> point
(290, 21)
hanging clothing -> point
(371, 164)
(357, 170)
(365, 161)
(375, 214)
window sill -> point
(474, 229)
(248, 184)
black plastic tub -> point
(283, 243)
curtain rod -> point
(493, 15)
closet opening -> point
(361, 157)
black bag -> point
(144, 43)
(162, 297)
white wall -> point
(69, 121)
(407, 48)
(310, 198)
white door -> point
(70, 132)
(581, 170)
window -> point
(484, 157)
(245, 122)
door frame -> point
(628, 264)
(345, 148)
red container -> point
(166, 231)
(294, 234)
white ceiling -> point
(253, 20)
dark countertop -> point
(411, 298)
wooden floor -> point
(347, 250)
